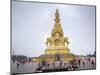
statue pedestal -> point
(57, 50)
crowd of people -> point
(22, 61)
(74, 64)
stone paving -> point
(31, 67)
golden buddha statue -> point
(57, 43)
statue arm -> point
(66, 40)
(47, 42)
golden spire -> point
(57, 16)
(57, 26)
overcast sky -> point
(32, 23)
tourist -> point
(74, 65)
(79, 61)
(17, 64)
(60, 63)
(43, 63)
(83, 63)
(53, 64)
(39, 68)
(64, 64)
(92, 63)
(48, 65)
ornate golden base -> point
(57, 50)
(51, 57)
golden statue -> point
(57, 45)
(57, 39)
